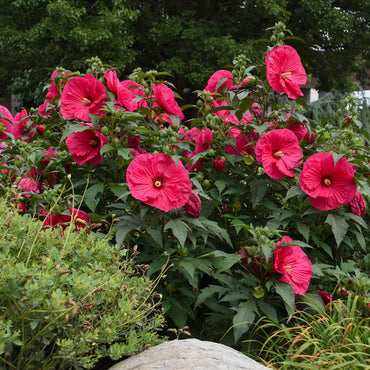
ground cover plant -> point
(254, 205)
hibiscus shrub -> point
(67, 301)
(254, 205)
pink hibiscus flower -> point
(7, 120)
(215, 80)
(30, 186)
(112, 81)
(279, 152)
(165, 98)
(81, 96)
(202, 142)
(24, 128)
(53, 91)
(244, 144)
(284, 70)
(131, 95)
(328, 185)
(85, 146)
(294, 264)
(80, 218)
(156, 180)
(358, 204)
(299, 129)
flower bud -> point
(219, 164)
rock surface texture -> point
(189, 354)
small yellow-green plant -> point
(66, 301)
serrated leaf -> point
(339, 227)
(243, 319)
(179, 229)
(258, 191)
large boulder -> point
(189, 354)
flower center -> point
(158, 183)
(286, 75)
(86, 101)
(287, 268)
(326, 181)
(278, 154)
(93, 142)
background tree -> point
(189, 39)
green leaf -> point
(336, 157)
(304, 230)
(268, 310)
(220, 184)
(179, 229)
(244, 318)
(106, 148)
(124, 153)
(339, 227)
(223, 260)
(92, 197)
(286, 292)
(293, 192)
(209, 292)
(126, 225)
(259, 292)
(189, 272)
(258, 191)
(72, 128)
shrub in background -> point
(68, 298)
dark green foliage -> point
(189, 39)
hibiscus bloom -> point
(112, 80)
(81, 96)
(244, 144)
(53, 91)
(214, 83)
(24, 128)
(80, 218)
(279, 152)
(7, 121)
(294, 264)
(131, 95)
(328, 185)
(85, 146)
(158, 181)
(202, 143)
(30, 186)
(284, 70)
(165, 98)
(299, 129)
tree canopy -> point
(189, 39)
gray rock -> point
(189, 354)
